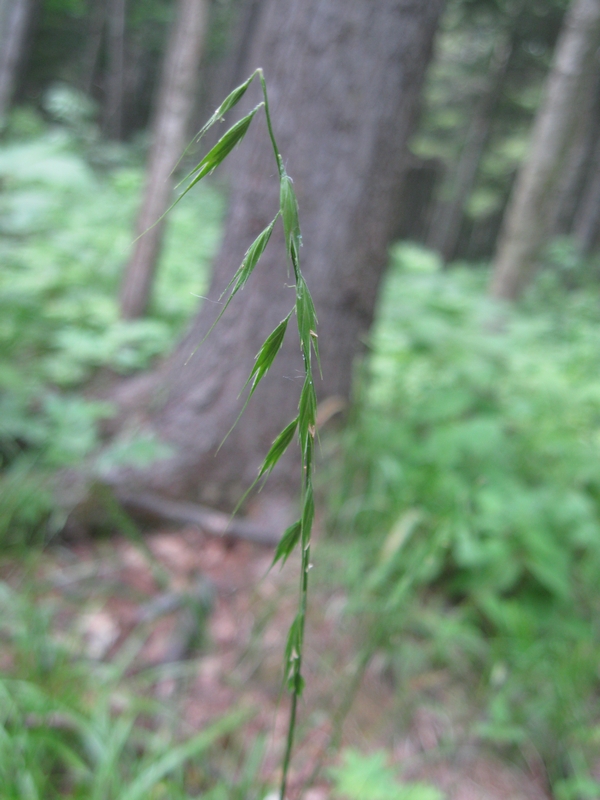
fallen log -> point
(212, 522)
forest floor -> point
(116, 596)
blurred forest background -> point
(458, 556)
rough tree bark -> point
(175, 101)
(344, 80)
(14, 16)
(530, 207)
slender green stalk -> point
(306, 433)
(278, 158)
(298, 534)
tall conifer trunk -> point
(344, 79)
(115, 78)
(587, 219)
(448, 214)
(14, 17)
(175, 101)
(530, 209)
(575, 173)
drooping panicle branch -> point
(303, 425)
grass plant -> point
(467, 483)
(303, 425)
(34, 444)
(469, 502)
(71, 727)
(66, 212)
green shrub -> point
(72, 728)
(368, 777)
(65, 233)
(471, 469)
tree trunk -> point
(574, 176)
(14, 16)
(448, 214)
(587, 219)
(530, 207)
(97, 17)
(175, 101)
(113, 109)
(244, 35)
(344, 81)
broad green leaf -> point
(287, 543)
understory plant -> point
(303, 425)
(66, 210)
(70, 726)
(470, 497)
(369, 777)
(60, 322)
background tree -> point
(345, 80)
(175, 103)
(14, 17)
(528, 214)
(587, 218)
(477, 115)
(579, 156)
(108, 49)
(448, 214)
(115, 78)
(112, 51)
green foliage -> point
(278, 448)
(470, 34)
(253, 254)
(471, 482)
(368, 777)
(304, 423)
(220, 151)
(66, 232)
(69, 728)
(64, 321)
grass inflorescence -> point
(303, 425)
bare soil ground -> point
(113, 598)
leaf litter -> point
(107, 599)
